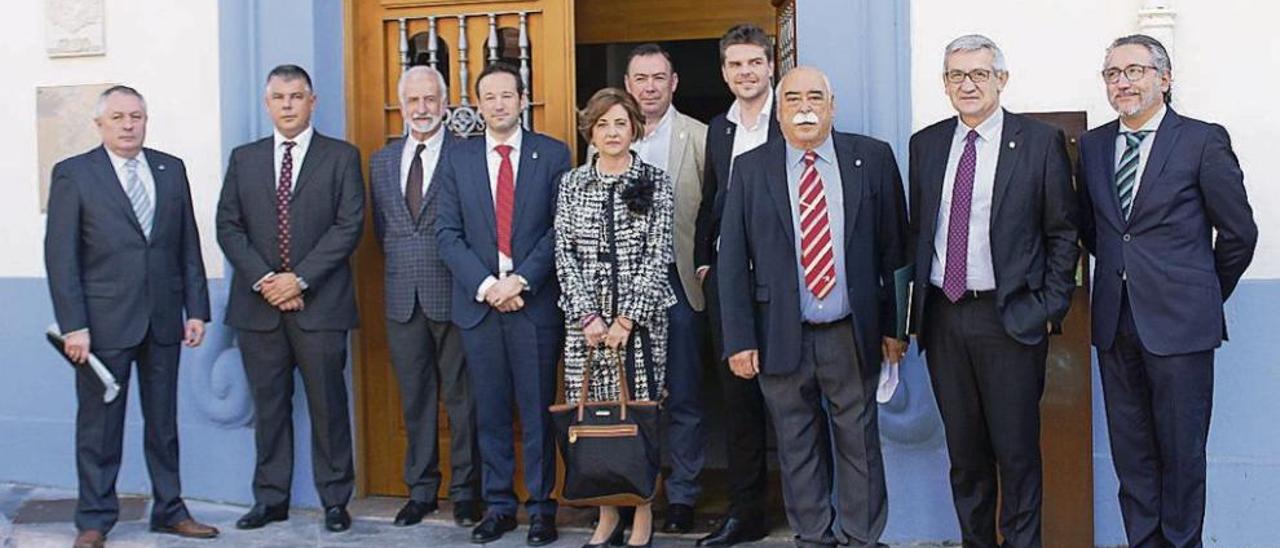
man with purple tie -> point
(994, 243)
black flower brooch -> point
(638, 193)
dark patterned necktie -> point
(955, 275)
(284, 194)
(413, 188)
(1127, 173)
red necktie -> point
(284, 193)
(817, 256)
(505, 200)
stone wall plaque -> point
(64, 127)
(74, 28)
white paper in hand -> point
(888, 381)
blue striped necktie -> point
(138, 197)
(1127, 173)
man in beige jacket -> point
(676, 144)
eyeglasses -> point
(978, 76)
(1132, 73)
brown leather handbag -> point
(611, 449)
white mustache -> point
(804, 118)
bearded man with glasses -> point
(1165, 213)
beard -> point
(428, 125)
(1145, 103)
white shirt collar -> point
(516, 139)
(433, 142)
(1152, 125)
(664, 123)
(303, 139)
(735, 113)
(118, 161)
(988, 130)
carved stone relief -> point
(74, 28)
(64, 127)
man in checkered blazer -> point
(426, 348)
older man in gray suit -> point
(676, 144)
(426, 348)
(290, 215)
(123, 255)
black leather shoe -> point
(679, 519)
(492, 528)
(735, 531)
(413, 511)
(466, 513)
(336, 519)
(542, 530)
(262, 514)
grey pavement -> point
(38, 517)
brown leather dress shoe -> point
(188, 528)
(91, 538)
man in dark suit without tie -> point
(123, 257)
(994, 240)
(290, 215)
(426, 347)
(1165, 213)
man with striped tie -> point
(123, 257)
(1165, 212)
(814, 227)
(994, 242)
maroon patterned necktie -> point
(955, 277)
(284, 194)
(505, 200)
(817, 255)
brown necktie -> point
(413, 188)
(284, 194)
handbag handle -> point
(623, 392)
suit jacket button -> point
(1126, 237)
(1120, 272)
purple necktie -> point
(954, 279)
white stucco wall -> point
(1222, 62)
(168, 51)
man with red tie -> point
(814, 227)
(494, 229)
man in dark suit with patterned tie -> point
(1165, 212)
(290, 216)
(494, 226)
(814, 228)
(994, 242)
(123, 257)
(426, 348)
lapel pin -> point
(681, 135)
(1013, 145)
(159, 167)
(857, 162)
(728, 130)
(535, 155)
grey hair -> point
(1159, 55)
(826, 82)
(423, 70)
(975, 42)
(101, 107)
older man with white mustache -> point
(426, 348)
(814, 227)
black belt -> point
(968, 295)
(829, 325)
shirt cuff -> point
(257, 286)
(302, 283)
(84, 330)
(484, 287)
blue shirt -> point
(836, 304)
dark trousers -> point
(988, 389)
(745, 425)
(100, 434)
(427, 357)
(321, 356)
(512, 365)
(1158, 410)
(829, 440)
(685, 337)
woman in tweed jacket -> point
(613, 253)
